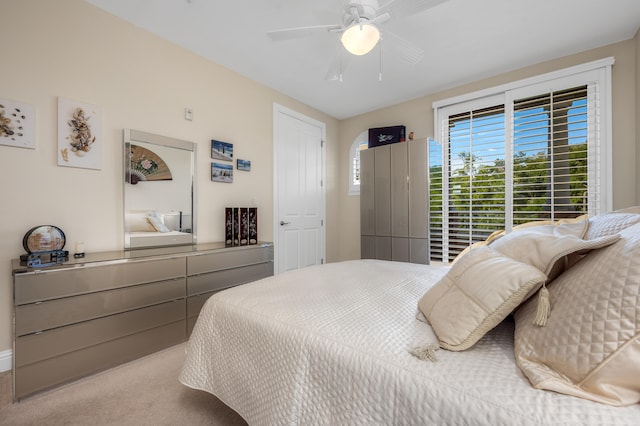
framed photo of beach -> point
(221, 172)
(221, 150)
(243, 165)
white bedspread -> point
(329, 345)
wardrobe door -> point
(419, 250)
(382, 184)
(367, 204)
(383, 248)
(367, 247)
(367, 192)
(418, 202)
(418, 189)
(399, 190)
(400, 251)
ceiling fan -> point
(360, 30)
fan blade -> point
(292, 33)
(406, 50)
(380, 19)
(399, 8)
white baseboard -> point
(6, 360)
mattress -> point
(329, 344)
(150, 239)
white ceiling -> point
(463, 41)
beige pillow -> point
(477, 293)
(542, 246)
(499, 233)
(139, 222)
(590, 347)
(489, 282)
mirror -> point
(159, 190)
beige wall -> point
(417, 115)
(71, 49)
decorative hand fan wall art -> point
(146, 165)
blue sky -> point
(530, 131)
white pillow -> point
(157, 223)
(611, 223)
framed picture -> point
(244, 165)
(221, 150)
(221, 172)
(17, 124)
(79, 134)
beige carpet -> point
(142, 392)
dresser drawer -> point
(69, 366)
(228, 258)
(57, 342)
(50, 314)
(194, 305)
(226, 278)
(44, 285)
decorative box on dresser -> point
(89, 314)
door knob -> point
(283, 223)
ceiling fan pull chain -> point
(340, 53)
(380, 62)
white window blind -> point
(550, 145)
(529, 153)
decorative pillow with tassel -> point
(477, 293)
(489, 282)
(590, 346)
(547, 248)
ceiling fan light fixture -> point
(360, 38)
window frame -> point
(354, 188)
(596, 72)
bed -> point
(156, 238)
(151, 229)
(345, 343)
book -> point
(244, 226)
(253, 225)
(228, 226)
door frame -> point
(278, 111)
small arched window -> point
(360, 143)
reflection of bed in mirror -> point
(153, 228)
(159, 191)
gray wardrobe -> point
(393, 202)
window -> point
(533, 150)
(361, 142)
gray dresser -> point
(90, 314)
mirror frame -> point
(130, 137)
